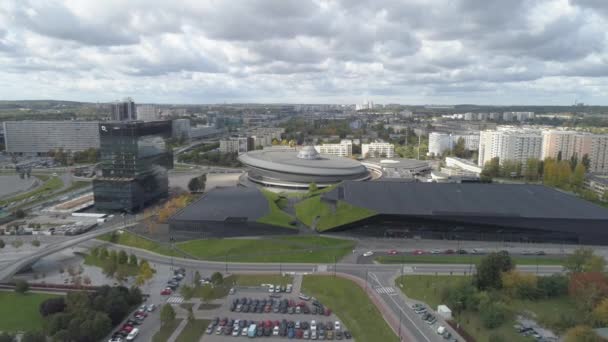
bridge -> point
(7, 273)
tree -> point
(33, 336)
(520, 285)
(493, 314)
(187, 292)
(581, 333)
(6, 337)
(167, 314)
(491, 169)
(133, 260)
(587, 289)
(459, 149)
(16, 243)
(21, 286)
(52, 306)
(194, 184)
(490, 269)
(554, 285)
(579, 176)
(123, 258)
(19, 213)
(584, 260)
(600, 313)
(114, 257)
(2, 243)
(586, 161)
(145, 273)
(103, 253)
(531, 172)
(217, 278)
(197, 278)
(312, 187)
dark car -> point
(462, 251)
(347, 335)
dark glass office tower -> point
(134, 164)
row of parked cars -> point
(528, 331)
(129, 331)
(284, 328)
(430, 319)
(279, 288)
(173, 282)
(460, 251)
(276, 305)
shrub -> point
(493, 315)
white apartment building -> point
(40, 137)
(517, 116)
(378, 150)
(343, 149)
(441, 142)
(517, 145)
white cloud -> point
(453, 51)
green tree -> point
(2, 243)
(114, 257)
(600, 312)
(167, 314)
(312, 187)
(586, 161)
(194, 184)
(197, 278)
(145, 273)
(584, 260)
(491, 169)
(460, 150)
(579, 176)
(122, 258)
(564, 173)
(33, 336)
(133, 260)
(19, 213)
(35, 243)
(490, 269)
(21, 286)
(217, 278)
(103, 253)
(187, 292)
(493, 314)
(531, 172)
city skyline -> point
(451, 52)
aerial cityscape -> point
(318, 170)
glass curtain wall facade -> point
(134, 165)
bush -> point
(581, 333)
(33, 336)
(21, 286)
(493, 315)
(51, 306)
(462, 297)
(490, 268)
(35, 243)
(217, 278)
(555, 285)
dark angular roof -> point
(466, 199)
(222, 203)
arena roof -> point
(286, 160)
(222, 203)
(466, 199)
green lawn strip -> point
(75, 186)
(462, 259)
(353, 307)
(193, 331)
(165, 331)
(133, 240)
(428, 289)
(204, 306)
(286, 250)
(129, 270)
(308, 209)
(186, 306)
(20, 312)
(258, 279)
(47, 187)
(209, 292)
(276, 217)
(345, 213)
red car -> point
(327, 311)
(268, 324)
(392, 252)
(166, 292)
(418, 252)
(127, 328)
(449, 251)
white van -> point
(441, 330)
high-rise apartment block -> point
(148, 112)
(236, 145)
(568, 144)
(441, 142)
(40, 137)
(516, 145)
(378, 149)
(134, 165)
(124, 111)
(343, 149)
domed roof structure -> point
(308, 153)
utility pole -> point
(226, 261)
(419, 147)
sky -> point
(488, 52)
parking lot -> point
(280, 314)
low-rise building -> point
(40, 137)
(598, 184)
(343, 149)
(236, 145)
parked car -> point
(166, 292)
(418, 252)
(392, 252)
(368, 253)
(133, 334)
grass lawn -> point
(204, 306)
(462, 259)
(351, 305)
(128, 270)
(20, 312)
(193, 331)
(165, 331)
(276, 217)
(282, 249)
(428, 288)
(308, 209)
(208, 292)
(47, 187)
(133, 240)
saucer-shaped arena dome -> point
(290, 168)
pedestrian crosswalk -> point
(175, 300)
(385, 290)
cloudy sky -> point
(298, 51)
